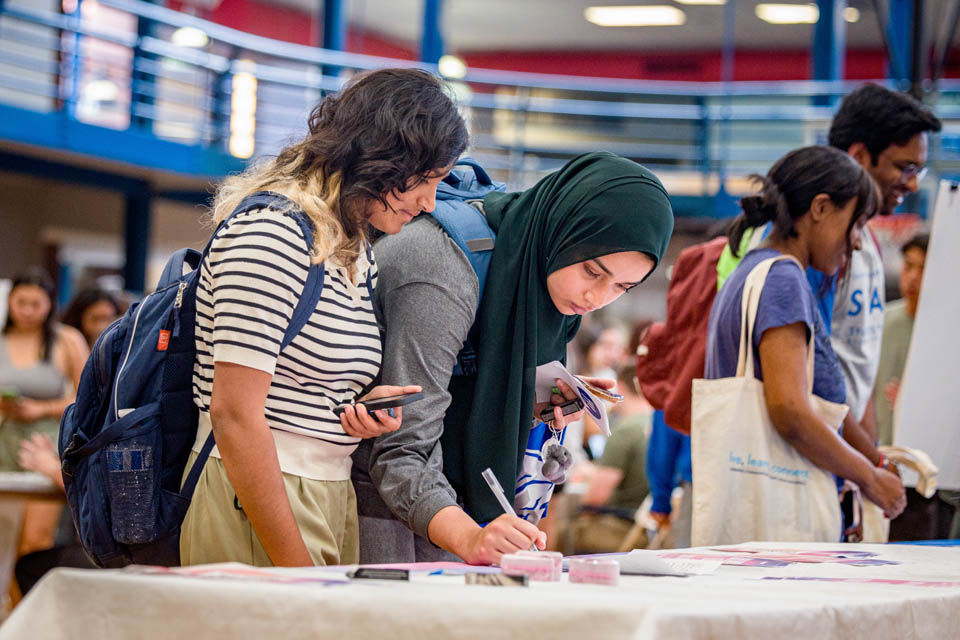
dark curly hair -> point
(794, 181)
(386, 131)
(382, 129)
(878, 118)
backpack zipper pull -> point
(179, 300)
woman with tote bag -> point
(765, 421)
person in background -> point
(91, 311)
(571, 244)
(40, 365)
(887, 133)
(924, 518)
(618, 483)
(897, 331)
(276, 489)
(603, 348)
(819, 200)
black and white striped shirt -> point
(249, 286)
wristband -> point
(883, 462)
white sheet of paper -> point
(546, 376)
(648, 563)
(643, 562)
(695, 567)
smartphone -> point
(376, 573)
(387, 402)
(568, 407)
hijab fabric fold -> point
(597, 204)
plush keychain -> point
(556, 460)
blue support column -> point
(64, 285)
(723, 204)
(142, 82)
(900, 39)
(136, 236)
(918, 52)
(829, 41)
(334, 35)
(220, 113)
(431, 46)
(72, 67)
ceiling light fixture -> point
(451, 66)
(851, 14)
(635, 16)
(189, 37)
(788, 13)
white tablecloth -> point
(798, 601)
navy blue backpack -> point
(468, 228)
(124, 443)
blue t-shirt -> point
(786, 299)
(824, 288)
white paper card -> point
(546, 376)
(642, 562)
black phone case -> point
(386, 403)
(568, 407)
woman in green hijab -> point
(573, 243)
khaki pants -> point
(216, 531)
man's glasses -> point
(911, 171)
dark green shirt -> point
(626, 449)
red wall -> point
(700, 66)
(260, 19)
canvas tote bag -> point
(748, 482)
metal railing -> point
(114, 64)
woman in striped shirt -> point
(276, 489)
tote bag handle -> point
(749, 302)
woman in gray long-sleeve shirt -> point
(571, 244)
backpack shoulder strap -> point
(314, 284)
(174, 269)
(467, 226)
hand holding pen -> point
(501, 497)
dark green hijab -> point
(595, 205)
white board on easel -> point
(927, 411)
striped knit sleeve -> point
(258, 266)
